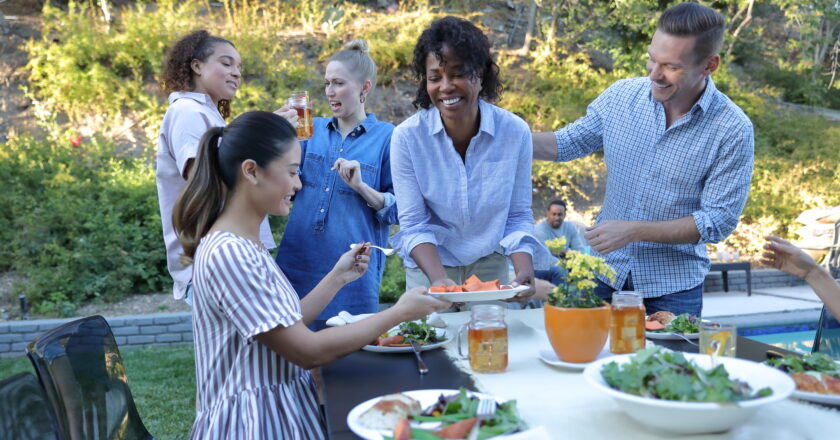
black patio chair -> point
(24, 414)
(83, 377)
(827, 339)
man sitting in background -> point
(555, 226)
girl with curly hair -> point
(462, 168)
(201, 72)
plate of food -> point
(445, 412)
(816, 375)
(548, 356)
(666, 325)
(398, 339)
(474, 289)
(682, 393)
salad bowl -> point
(696, 417)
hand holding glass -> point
(300, 102)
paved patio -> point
(767, 306)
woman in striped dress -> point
(252, 346)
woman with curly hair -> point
(462, 168)
(201, 72)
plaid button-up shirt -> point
(700, 166)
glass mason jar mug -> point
(301, 103)
(487, 339)
(627, 322)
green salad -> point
(816, 362)
(418, 331)
(457, 407)
(663, 374)
(683, 323)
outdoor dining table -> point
(558, 399)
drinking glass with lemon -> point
(723, 333)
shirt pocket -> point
(369, 173)
(491, 188)
(313, 166)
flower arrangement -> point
(581, 270)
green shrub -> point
(393, 280)
(83, 225)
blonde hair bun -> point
(360, 45)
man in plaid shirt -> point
(679, 155)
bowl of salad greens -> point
(682, 393)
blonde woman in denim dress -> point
(347, 193)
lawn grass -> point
(162, 381)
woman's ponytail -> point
(258, 136)
(200, 204)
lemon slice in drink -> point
(723, 341)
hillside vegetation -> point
(80, 218)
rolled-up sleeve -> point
(727, 186)
(388, 215)
(185, 132)
(413, 215)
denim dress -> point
(328, 215)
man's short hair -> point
(694, 20)
(558, 202)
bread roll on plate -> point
(389, 410)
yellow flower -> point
(581, 270)
(556, 245)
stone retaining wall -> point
(129, 331)
(761, 279)
(176, 328)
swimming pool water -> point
(798, 338)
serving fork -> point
(485, 410)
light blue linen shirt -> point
(467, 208)
(701, 166)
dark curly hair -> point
(177, 74)
(471, 47)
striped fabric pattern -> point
(244, 389)
(700, 166)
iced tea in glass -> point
(300, 102)
(627, 323)
(487, 338)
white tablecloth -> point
(568, 407)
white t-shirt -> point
(189, 115)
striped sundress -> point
(244, 389)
